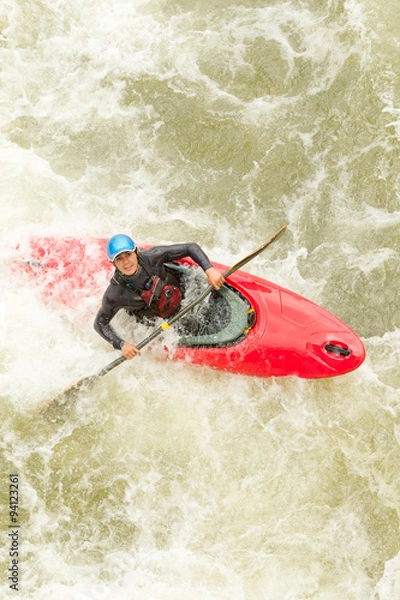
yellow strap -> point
(246, 331)
(165, 326)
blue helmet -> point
(119, 243)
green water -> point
(217, 123)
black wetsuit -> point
(120, 296)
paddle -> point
(85, 382)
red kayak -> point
(265, 330)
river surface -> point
(215, 122)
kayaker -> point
(144, 286)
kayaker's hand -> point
(129, 351)
(215, 278)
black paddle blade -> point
(70, 393)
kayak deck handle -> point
(338, 349)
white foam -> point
(217, 125)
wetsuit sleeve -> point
(103, 328)
(162, 254)
(102, 323)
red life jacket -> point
(162, 298)
(161, 294)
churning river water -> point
(216, 122)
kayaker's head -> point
(122, 252)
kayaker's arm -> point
(129, 350)
(103, 328)
(214, 277)
(163, 254)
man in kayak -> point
(143, 285)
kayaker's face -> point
(127, 263)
